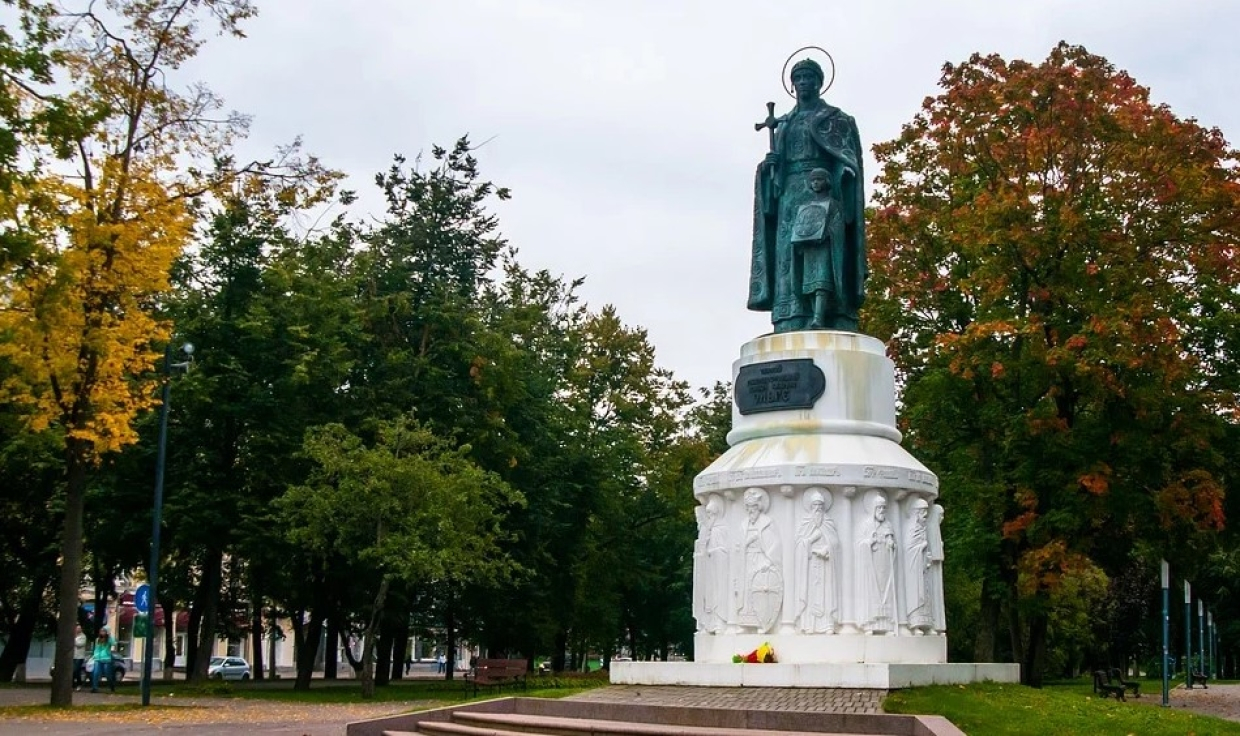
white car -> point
(228, 668)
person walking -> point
(104, 643)
(79, 656)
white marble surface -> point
(752, 574)
(860, 386)
(881, 676)
(827, 483)
(797, 648)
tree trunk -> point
(77, 452)
(988, 622)
(307, 647)
(210, 587)
(170, 637)
(256, 634)
(271, 650)
(449, 626)
(355, 663)
(383, 653)
(368, 642)
(1035, 651)
(331, 657)
(20, 635)
(196, 608)
(561, 644)
(385, 657)
(400, 648)
(1014, 630)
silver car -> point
(228, 668)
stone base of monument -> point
(818, 532)
(868, 675)
(823, 649)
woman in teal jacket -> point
(104, 643)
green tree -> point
(100, 239)
(272, 317)
(30, 472)
(1050, 253)
(410, 507)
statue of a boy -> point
(818, 239)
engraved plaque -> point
(778, 385)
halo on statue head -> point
(827, 80)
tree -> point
(77, 312)
(101, 228)
(408, 508)
(1052, 254)
(30, 470)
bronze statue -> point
(809, 277)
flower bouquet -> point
(763, 654)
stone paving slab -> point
(813, 700)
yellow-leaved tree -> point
(105, 202)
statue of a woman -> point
(876, 556)
(814, 288)
(817, 573)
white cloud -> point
(625, 129)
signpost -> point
(142, 628)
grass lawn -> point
(1069, 709)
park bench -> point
(496, 673)
(1106, 689)
(1114, 675)
(1198, 678)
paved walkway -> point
(196, 716)
(1221, 701)
(824, 700)
(219, 716)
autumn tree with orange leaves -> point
(1054, 264)
(111, 169)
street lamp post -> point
(1213, 651)
(158, 513)
(1166, 633)
(1188, 636)
(1203, 664)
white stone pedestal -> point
(818, 534)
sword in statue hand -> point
(770, 123)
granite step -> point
(513, 724)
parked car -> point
(228, 668)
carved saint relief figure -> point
(875, 564)
(817, 568)
(936, 568)
(710, 567)
(762, 583)
(917, 585)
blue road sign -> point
(142, 598)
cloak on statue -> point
(812, 135)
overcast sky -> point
(625, 128)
